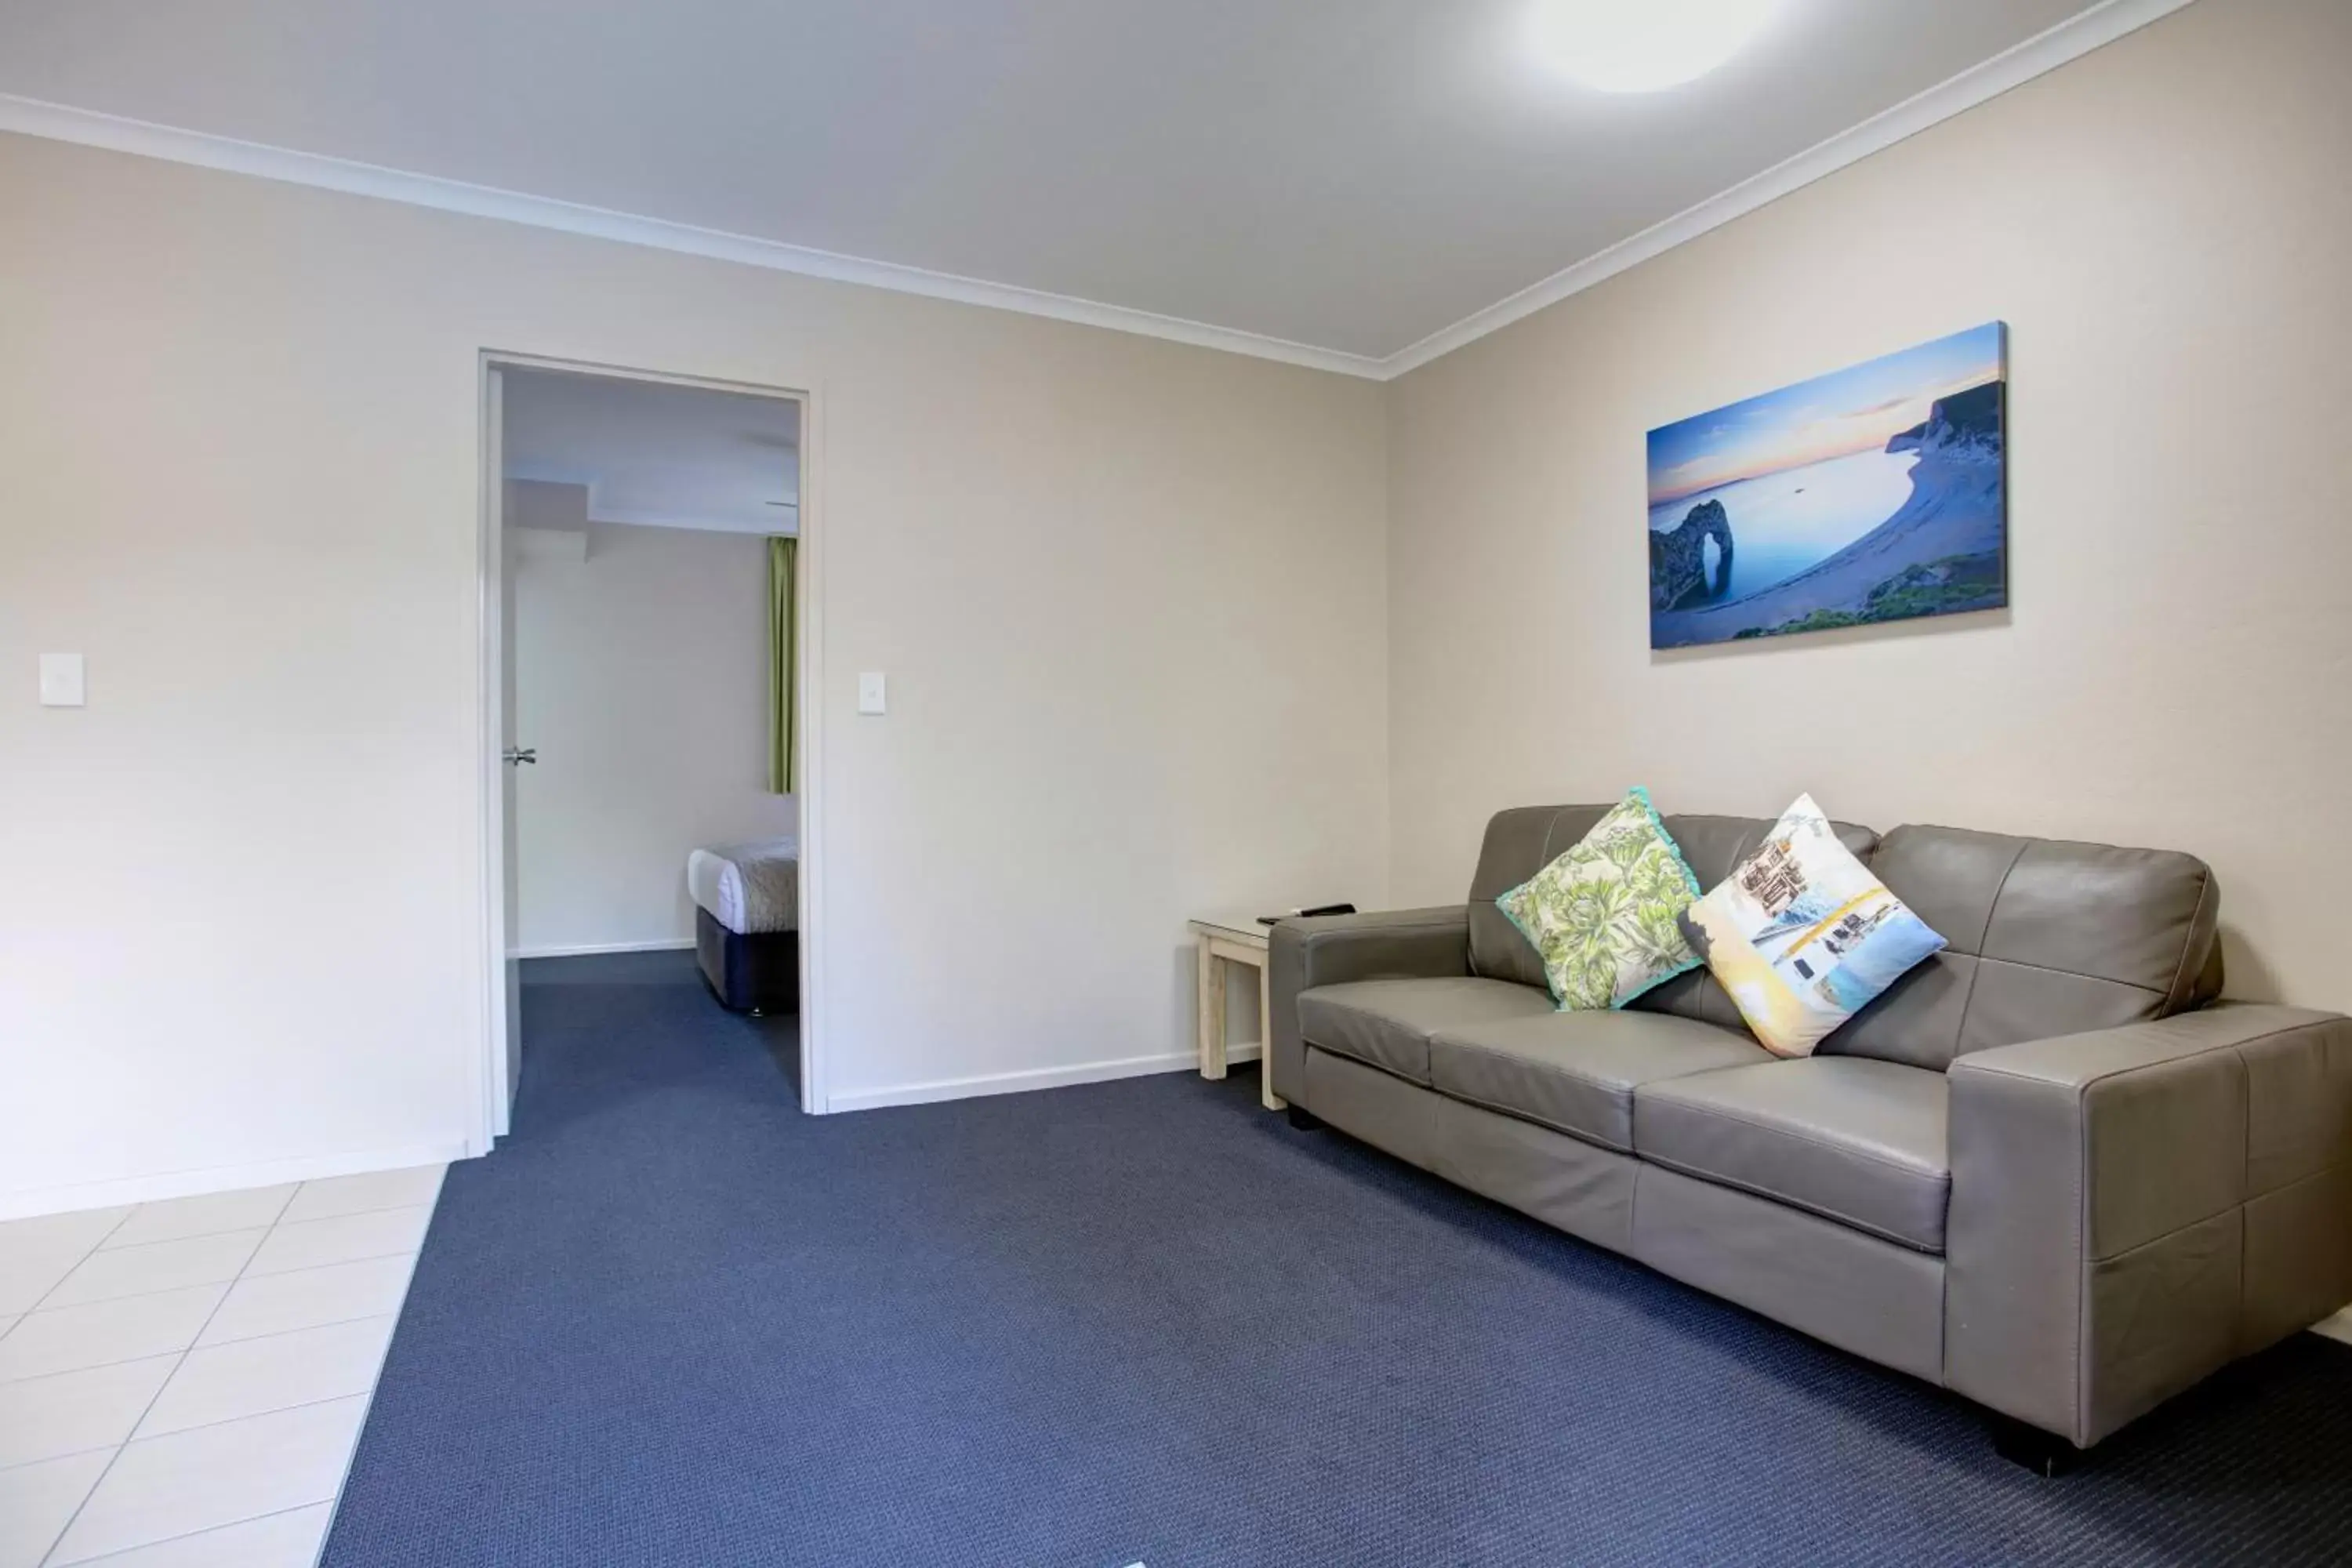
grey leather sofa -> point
(2049, 1170)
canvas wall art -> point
(1875, 493)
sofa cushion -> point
(1576, 1072)
(1853, 1140)
(2045, 938)
(1387, 1023)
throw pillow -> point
(1803, 935)
(1602, 915)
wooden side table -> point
(1221, 940)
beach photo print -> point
(1875, 493)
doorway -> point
(650, 591)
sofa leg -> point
(1304, 1119)
(2046, 1453)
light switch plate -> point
(871, 698)
(61, 681)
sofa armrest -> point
(1327, 950)
(2133, 1208)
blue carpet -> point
(673, 1321)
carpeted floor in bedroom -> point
(674, 1322)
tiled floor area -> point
(182, 1382)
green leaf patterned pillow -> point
(1604, 915)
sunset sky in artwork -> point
(1847, 411)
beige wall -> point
(641, 678)
(1130, 597)
(2165, 224)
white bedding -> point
(749, 888)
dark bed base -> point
(749, 973)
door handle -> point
(521, 754)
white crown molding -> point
(787, 520)
(2045, 52)
(62, 122)
(2069, 40)
(553, 474)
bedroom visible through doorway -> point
(647, 630)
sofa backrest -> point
(1519, 843)
(2044, 937)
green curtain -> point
(783, 754)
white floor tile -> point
(27, 1277)
(67, 1412)
(161, 1487)
(208, 1215)
(289, 1539)
(35, 1254)
(253, 1377)
(157, 1266)
(64, 1339)
(6, 1323)
(306, 1298)
(84, 1228)
(358, 1195)
(317, 1243)
(36, 1501)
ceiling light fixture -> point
(1641, 45)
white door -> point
(507, 1020)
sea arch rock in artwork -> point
(1679, 573)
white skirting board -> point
(584, 949)
(27, 1202)
(1020, 1082)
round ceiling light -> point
(1641, 45)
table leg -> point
(1212, 978)
(1266, 1097)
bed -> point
(746, 900)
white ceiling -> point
(1359, 176)
(656, 455)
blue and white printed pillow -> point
(1803, 935)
